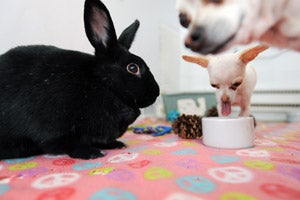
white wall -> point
(56, 22)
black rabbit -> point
(55, 101)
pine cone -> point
(188, 126)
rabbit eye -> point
(133, 69)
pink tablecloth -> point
(165, 168)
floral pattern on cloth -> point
(165, 168)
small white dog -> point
(216, 25)
(233, 78)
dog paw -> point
(254, 120)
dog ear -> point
(249, 54)
(200, 60)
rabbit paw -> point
(112, 145)
(86, 152)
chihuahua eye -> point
(215, 86)
(134, 69)
(235, 85)
(214, 1)
(184, 20)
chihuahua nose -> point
(195, 39)
(197, 35)
(225, 98)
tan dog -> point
(233, 78)
(216, 25)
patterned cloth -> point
(165, 168)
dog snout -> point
(225, 98)
(195, 39)
(197, 34)
(184, 20)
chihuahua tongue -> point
(226, 108)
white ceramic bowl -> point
(228, 133)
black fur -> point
(66, 102)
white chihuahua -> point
(216, 25)
(233, 78)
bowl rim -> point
(226, 118)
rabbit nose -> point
(154, 90)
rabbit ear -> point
(99, 27)
(127, 36)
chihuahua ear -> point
(200, 60)
(251, 53)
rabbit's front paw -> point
(112, 145)
(86, 152)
